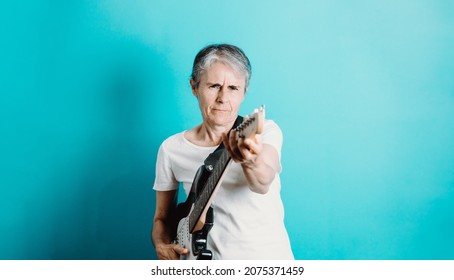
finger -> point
(168, 254)
(246, 154)
(234, 149)
(226, 140)
(181, 250)
(253, 146)
(172, 252)
(257, 140)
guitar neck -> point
(212, 181)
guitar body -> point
(195, 215)
(195, 242)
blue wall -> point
(364, 93)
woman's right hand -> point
(170, 251)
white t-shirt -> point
(247, 225)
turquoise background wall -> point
(363, 91)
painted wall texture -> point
(363, 91)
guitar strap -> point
(213, 158)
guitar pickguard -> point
(197, 241)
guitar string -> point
(202, 200)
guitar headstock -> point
(252, 124)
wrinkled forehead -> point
(236, 70)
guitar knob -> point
(205, 255)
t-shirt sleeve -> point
(164, 178)
(272, 135)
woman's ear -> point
(193, 87)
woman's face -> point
(220, 93)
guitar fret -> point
(211, 183)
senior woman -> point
(247, 207)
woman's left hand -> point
(243, 150)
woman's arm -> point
(162, 233)
(260, 162)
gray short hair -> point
(230, 54)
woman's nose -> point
(222, 95)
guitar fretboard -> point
(211, 183)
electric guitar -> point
(195, 215)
